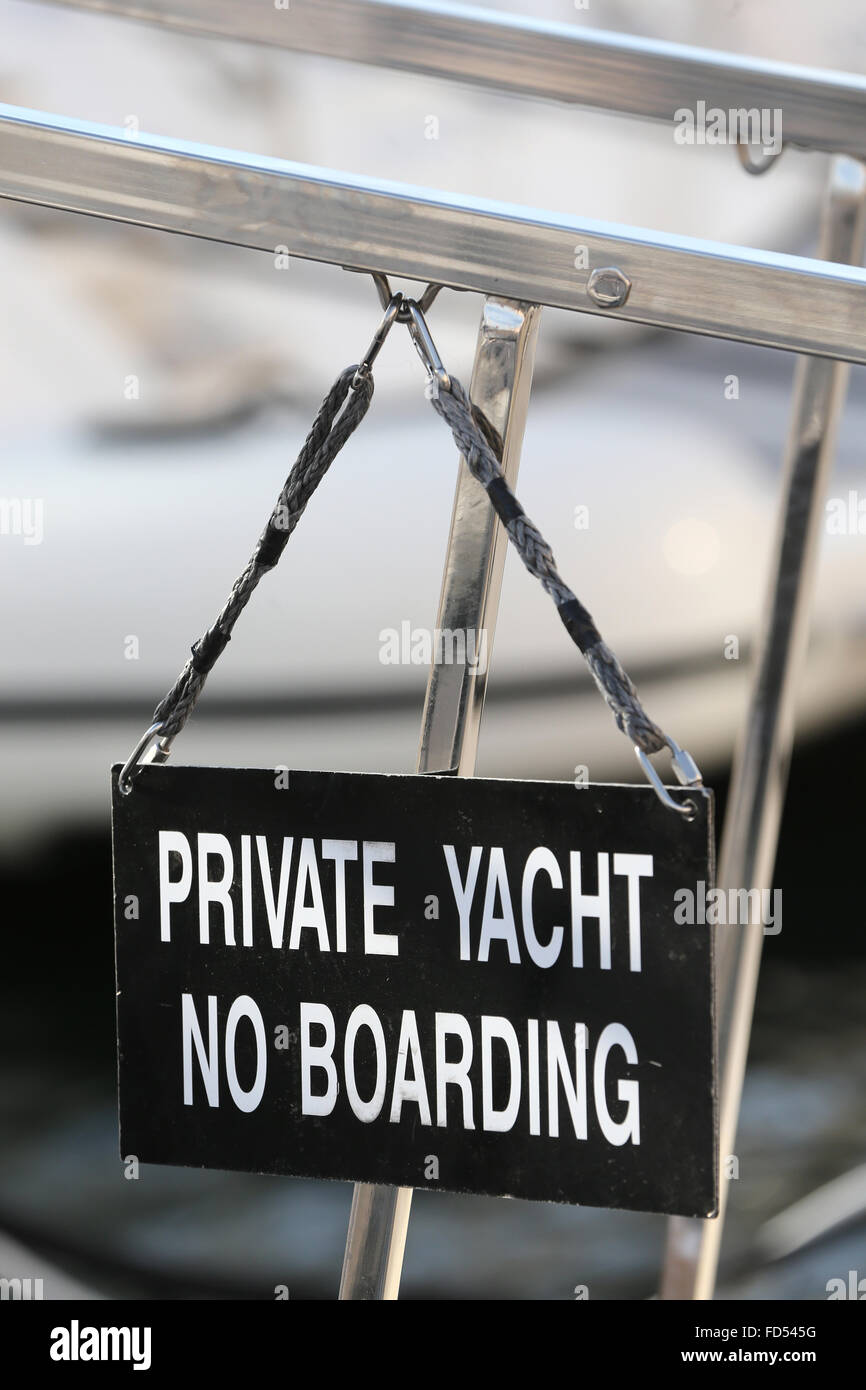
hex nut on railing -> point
(608, 287)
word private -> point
(492, 914)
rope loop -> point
(340, 413)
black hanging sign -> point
(421, 981)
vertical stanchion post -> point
(471, 584)
(760, 772)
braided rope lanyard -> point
(341, 412)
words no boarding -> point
(469, 984)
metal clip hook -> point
(753, 163)
(424, 344)
(687, 774)
(152, 747)
(411, 312)
(392, 311)
(385, 293)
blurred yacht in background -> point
(156, 391)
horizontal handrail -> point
(496, 248)
(633, 76)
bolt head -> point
(608, 287)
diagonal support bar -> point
(469, 601)
(761, 766)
